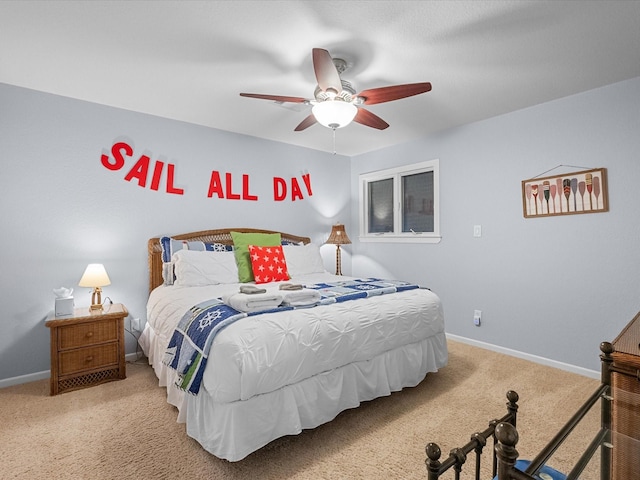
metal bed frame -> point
(504, 435)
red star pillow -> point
(268, 264)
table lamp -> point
(338, 237)
(95, 276)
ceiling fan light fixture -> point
(334, 113)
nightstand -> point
(625, 388)
(87, 348)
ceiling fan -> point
(335, 103)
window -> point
(401, 204)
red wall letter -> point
(295, 190)
(245, 189)
(157, 173)
(230, 195)
(170, 187)
(279, 189)
(117, 156)
(307, 181)
(215, 186)
(139, 171)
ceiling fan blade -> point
(365, 117)
(306, 123)
(395, 92)
(326, 72)
(275, 98)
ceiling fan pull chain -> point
(334, 140)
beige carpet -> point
(126, 430)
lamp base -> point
(338, 262)
(96, 299)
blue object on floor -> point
(546, 473)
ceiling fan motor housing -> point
(347, 93)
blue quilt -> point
(359, 288)
(191, 341)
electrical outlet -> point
(135, 324)
(477, 317)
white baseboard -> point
(526, 356)
(32, 377)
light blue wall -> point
(553, 287)
(62, 209)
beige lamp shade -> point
(338, 235)
(95, 276)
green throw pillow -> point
(241, 242)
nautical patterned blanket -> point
(358, 288)
(191, 341)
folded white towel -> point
(253, 302)
(300, 298)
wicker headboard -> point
(214, 236)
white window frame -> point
(397, 236)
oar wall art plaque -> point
(566, 194)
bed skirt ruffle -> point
(234, 430)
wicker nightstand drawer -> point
(90, 358)
(87, 348)
(87, 334)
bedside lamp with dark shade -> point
(337, 237)
(95, 276)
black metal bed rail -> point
(546, 453)
(601, 438)
(505, 438)
(458, 456)
(506, 454)
(507, 435)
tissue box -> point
(64, 307)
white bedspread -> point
(275, 374)
(260, 354)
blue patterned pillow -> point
(170, 246)
(289, 242)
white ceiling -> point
(189, 60)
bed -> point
(274, 374)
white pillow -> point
(197, 268)
(303, 259)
